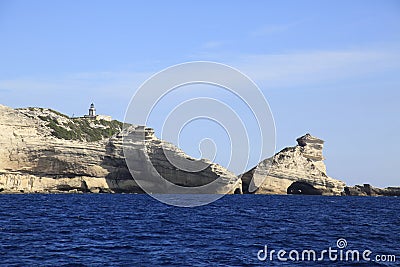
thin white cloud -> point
(304, 68)
(270, 29)
(211, 45)
(71, 93)
(275, 28)
(87, 81)
(290, 70)
(274, 70)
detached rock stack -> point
(294, 170)
(42, 150)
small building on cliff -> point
(92, 114)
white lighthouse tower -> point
(92, 111)
(92, 114)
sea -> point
(236, 230)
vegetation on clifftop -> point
(83, 129)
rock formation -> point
(368, 190)
(294, 170)
(44, 151)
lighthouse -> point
(92, 111)
(92, 115)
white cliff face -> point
(148, 161)
(33, 160)
(34, 157)
(297, 170)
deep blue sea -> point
(136, 230)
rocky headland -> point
(301, 170)
(44, 151)
(368, 190)
(293, 170)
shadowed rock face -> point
(34, 159)
(293, 169)
(302, 188)
(368, 190)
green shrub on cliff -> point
(61, 132)
(83, 129)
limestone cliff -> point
(44, 151)
(294, 170)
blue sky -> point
(328, 68)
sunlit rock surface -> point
(44, 151)
(294, 170)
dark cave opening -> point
(303, 188)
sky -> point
(330, 68)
